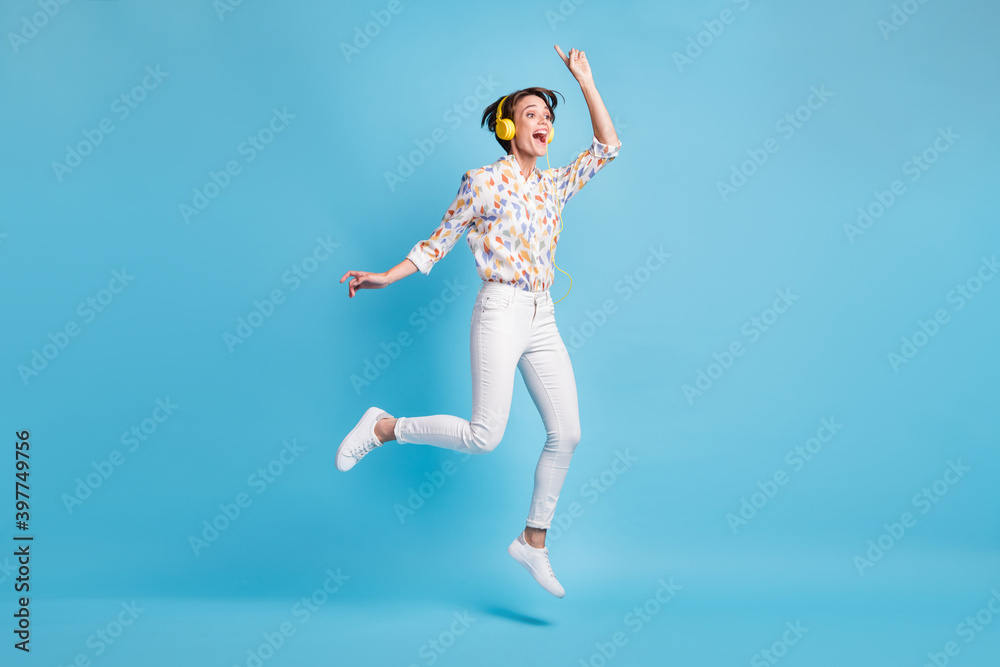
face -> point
(532, 122)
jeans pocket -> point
(494, 302)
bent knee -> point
(485, 440)
(572, 437)
(567, 439)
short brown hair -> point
(490, 113)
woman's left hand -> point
(577, 64)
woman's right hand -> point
(364, 280)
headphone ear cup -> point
(505, 129)
(552, 133)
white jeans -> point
(512, 328)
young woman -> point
(511, 212)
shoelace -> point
(360, 451)
(545, 555)
(549, 565)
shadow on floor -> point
(514, 616)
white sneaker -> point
(360, 440)
(536, 561)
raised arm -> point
(568, 180)
(604, 129)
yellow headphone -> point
(505, 130)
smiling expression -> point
(533, 123)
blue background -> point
(684, 128)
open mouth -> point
(540, 136)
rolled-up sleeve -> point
(570, 179)
(454, 223)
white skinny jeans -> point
(512, 328)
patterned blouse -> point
(511, 222)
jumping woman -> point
(510, 210)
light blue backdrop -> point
(785, 387)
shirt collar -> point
(512, 159)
